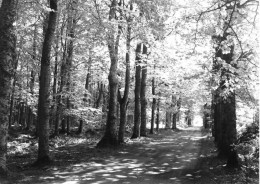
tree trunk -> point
(158, 115)
(54, 88)
(44, 94)
(63, 125)
(7, 62)
(217, 121)
(12, 104)
(21, 109)
(85, 98)
(123, 101)
(121, 132)
(110, 137)
(32, 79)
(178, 115)
(44, 29)
(143, 94)
(80, 128)
(29, 118)
(168, 118)
(100, 96)
(153, 107)
(228, 121)
(70, 47)
(225, 108)
(137, 117)
(189, 121)
(174, 121)
(212, 110)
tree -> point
(69, 56)
(64, 97)
(7, 62)
(233, 54)
(55, 81)
(44, 90)
(33, 73)
(110, 137)
(158, 114)
(124, 100)
(225, 106)
(175, 112)
(137, 117)
(143, 93)
(153, 107)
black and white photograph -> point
(129, 91)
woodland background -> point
(129, 66)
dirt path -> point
(170, 158)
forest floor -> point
(186, 156)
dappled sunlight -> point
(70, 182)
(164, 158)
(198, 138)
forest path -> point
(170, 157)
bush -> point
(247, 148)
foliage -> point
(248, 150)
(180, 58)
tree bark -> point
(212, 116)
(153, 107)
(44, 91)
(143, 94)
(228, 121)
(86, 98)
(174, 113)
(158, 115)
(44, 30)
(121, 132)
(55, 85)
(168, 118)
(70, 48)
(110, 137)
(123, 101)
(137, 117)
(12, 104)
(7, 62)
(225, 108)
(32, 78)
(100, 95)
(174, 121)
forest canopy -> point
(73, 66)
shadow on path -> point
(168, 158)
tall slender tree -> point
(7, 62)
(158, 115)
(110, 138)
(55, 82)
(143, 93)
(124, 100)
(33, 73)
(153, 106)
(44, 91)
(137, 115)
(175, 112)
(71, 29)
